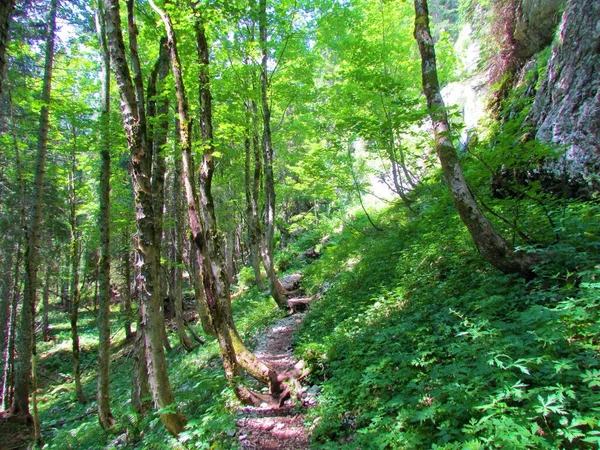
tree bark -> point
(6, 8)
(177, 273)
(20, 404)
(105, 416)
(252, 185)
(489, 243)
(75, 249)
(278, 292)
(158, 110)
(45, 306)
(126, 298)
(132, 108)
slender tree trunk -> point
(75, 248)
(158, 110)
(278, 292)
(252, 186)
(178, 254)
(103, 396)
(140, 389)
(204, 227)
(6, 8)
(199, 292)
(20, 404)
(45, 306)
(8, 353)
(126, 298)
(489, 243)
(132, 106)
(5, 319)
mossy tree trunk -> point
(204, 232)
(488, 241)
(134, 121)
(103, 396)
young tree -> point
(134, 122)
(492, 246)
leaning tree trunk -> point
(278, 292)
(489, 243)
(20, 404)
(132, 107)
(204, 230)
(6, 8)
(103, 396)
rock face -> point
(536, 25)
(566, 110)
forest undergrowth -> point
(418, 343)
(413, 339)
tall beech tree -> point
(25, 345)
(103, 397)
(134, 122)
(490, 244)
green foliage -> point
(417, 343)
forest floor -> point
(278, 428)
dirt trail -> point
(268, 428)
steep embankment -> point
(419, 343)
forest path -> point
(270, 428)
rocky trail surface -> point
(272, 428)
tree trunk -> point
(103, 396)
(45, 306)
(203, 222)
(5, 317)
(199, 292)
(278, 292)
(489, 243)
(132, 107)
(140, 390)
(6, 8)
(75, 248)
(126, 298)
(177, 283)
(20, 404)
(158, 110)
(8, 353)
(252, 186)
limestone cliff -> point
(567, 105)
